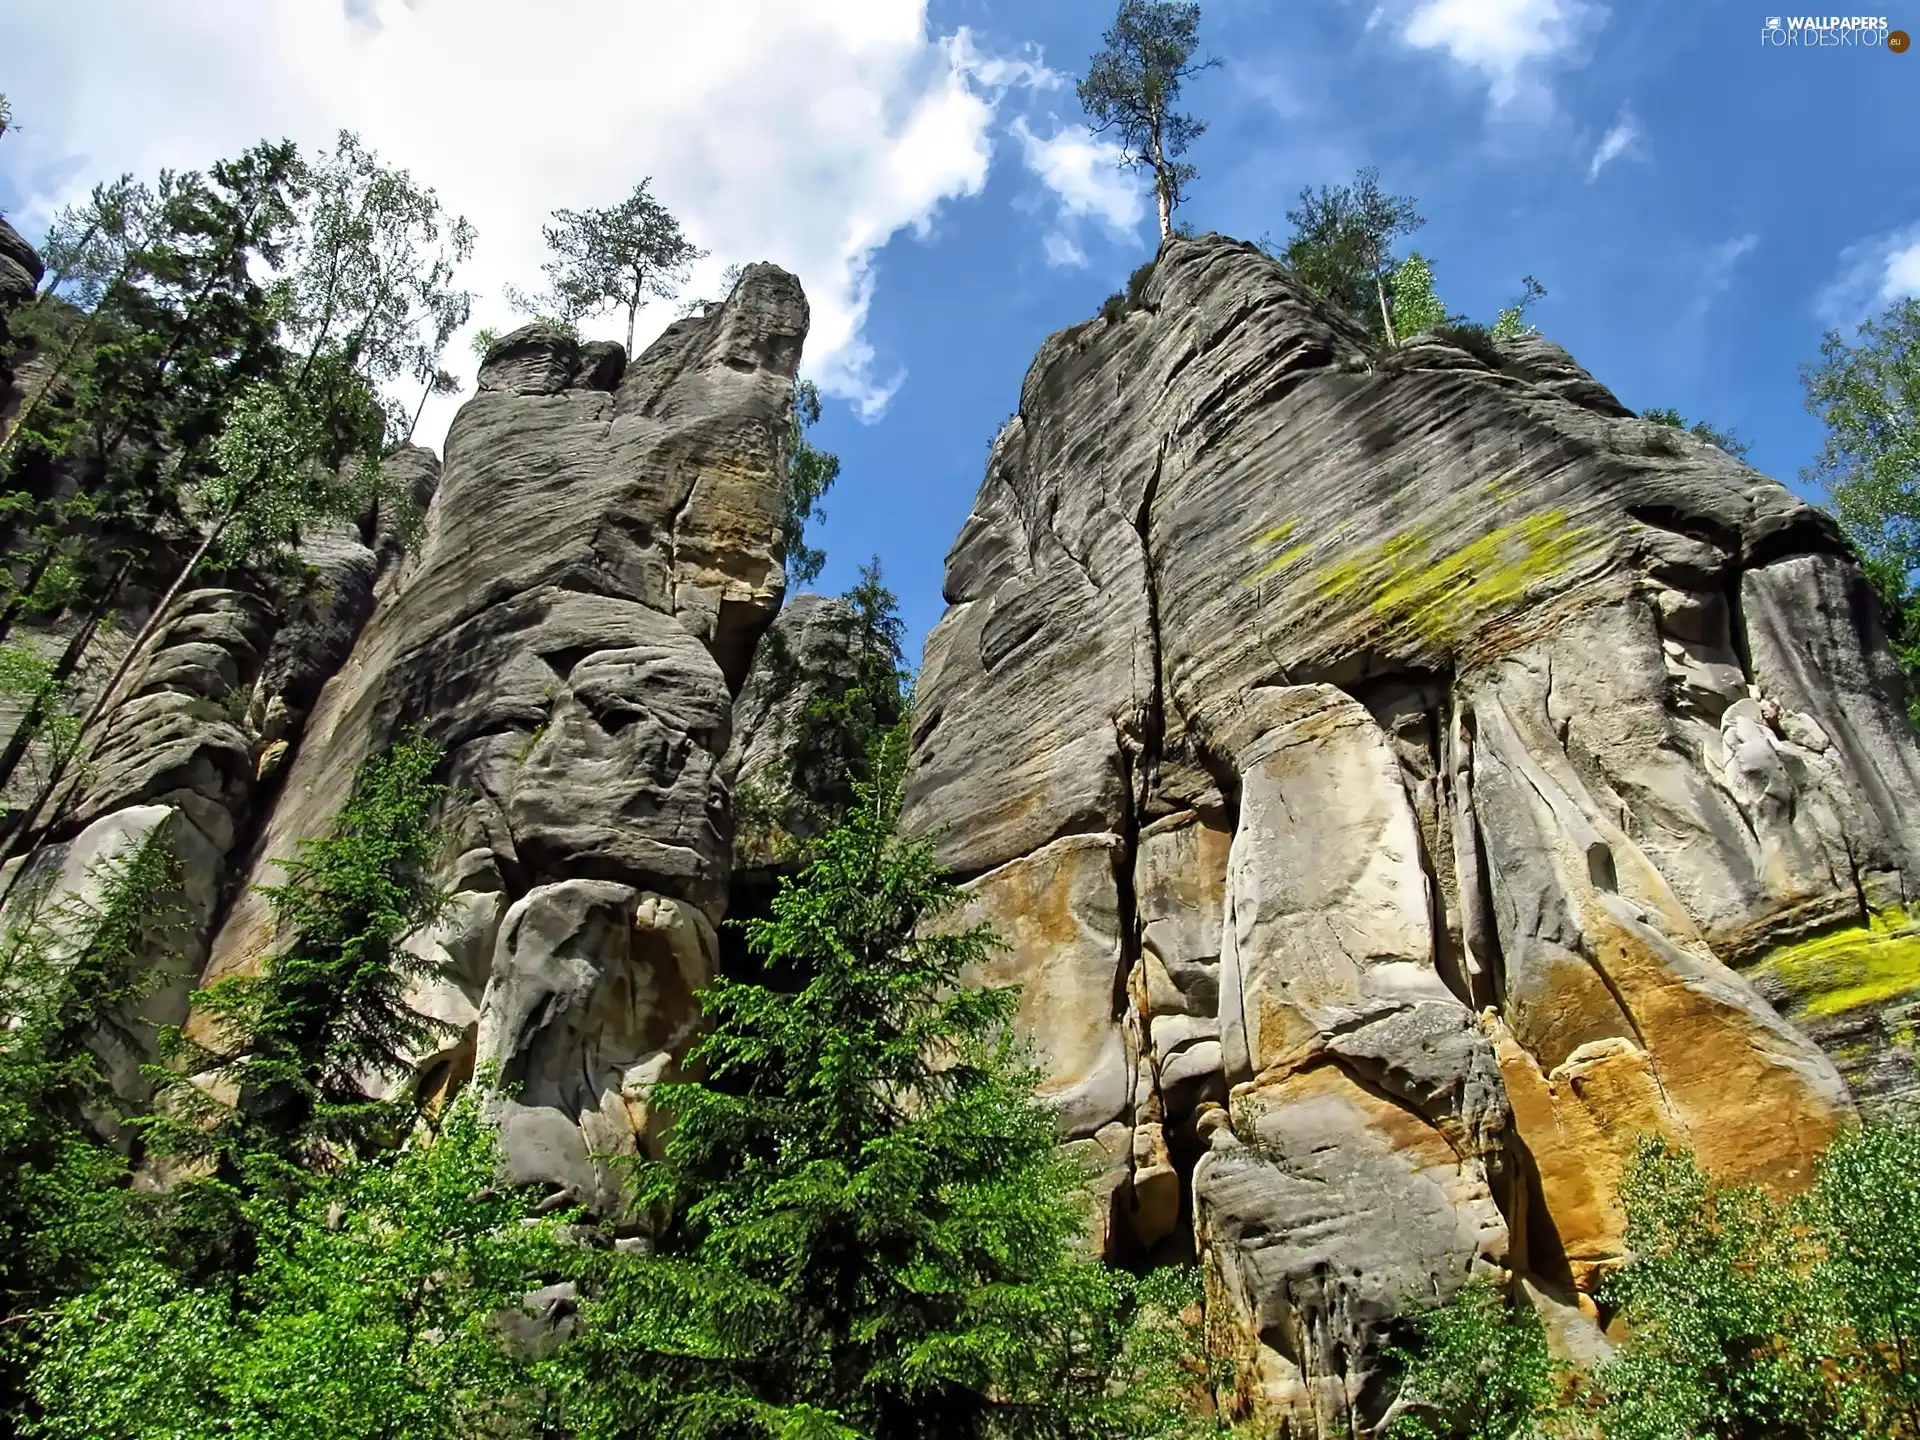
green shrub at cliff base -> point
(1727, 1334)
(1477, 1368)
(873, 1232)
(328, 1009)
(372, 1309)
(1864, 1213)
(67, 964)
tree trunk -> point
(69, 661)
(17, 601)
(18, 837)
(414, 424)
(1162, 181)
(47, 383)
(1386, 315)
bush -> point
(1114, 308)
(1478, 1369)
(1475, 339)
(1137, 284)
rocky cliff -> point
(1404, 780)
(601, 553)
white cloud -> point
(1062, 251)
(807, 132)
(1505, 40)
(1622, 138)
(1871, 274)
(1716, 273)
(1082, 172)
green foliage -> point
(1864, 1210)
(1867, 393)
(70, 964)
(853, 683)
(1727, 440)
(1477, 1369)
(616, 258)
(872, 1231)
(1342, 245)
(1475, 339)
(1511, 322)
(1416, 309)
(1137, 283)
(1726, 1333)
(1132, 85)
(1114, 308)
(327, 1012)
(30, 680)
(371, 1309)
(811, 472)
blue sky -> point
(1695, 269)
(1699, 205)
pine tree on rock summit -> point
(1131, 86)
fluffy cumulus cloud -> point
(1082, 173)
(1507, 41)
(1871, 275)
(1623, 137)
(806, 132)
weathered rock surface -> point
(1436, 777)
(760, 763)
(602, 552)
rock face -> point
(601, 555)
(1404, 781)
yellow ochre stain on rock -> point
(1438, 598)
(1846, 969)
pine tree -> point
(326, 1014)
(1132, 85)
(867, 1229)
(811, 472)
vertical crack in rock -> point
(1495, 905)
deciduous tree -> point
(1342, 244)
(617, 258)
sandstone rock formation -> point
(1404, 781)
(601, 555)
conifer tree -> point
(811, 472)
(867, 1229)
(1132, 85)
(326, 1014)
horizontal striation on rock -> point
(1481, 777)
(603, 548)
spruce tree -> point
(866, 1227)
(326, 1014)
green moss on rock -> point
(1851, 968)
